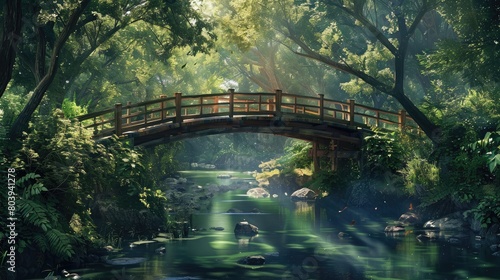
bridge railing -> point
(178, 109)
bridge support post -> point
(321, 107)
(277, 108)
(216, 106)
(334, 158)
(162, 107)
(315, 149)
(127, 113)
(178, 107)
(351, 111)
(231, 102)
(402, 119)
(118, 119)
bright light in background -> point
(227, 84)
(206, 8)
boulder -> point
(245, 228)
(303, 194)
(452, 222)
(409, 218)
(427, 236)
(253, 260)
(258, 193)
(125, 261)
(394, 228)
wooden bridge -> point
(335, 124)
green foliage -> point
(474, 50)
(296, 156)
(41, 225)
(328, 181)
(487, 211)
(420, 176)
(71, 109)
(232, 151)
(383, 153)
(489, 146)
(11, 104)
(61, 171)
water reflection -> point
(296, 248)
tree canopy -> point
(61, 37)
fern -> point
(25, 178)
(34, 213)
(60, 244)
(34, 190)
(41, 242)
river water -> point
(298, 242)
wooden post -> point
(127, 114)
(334, 157)
(96, 128)
(278, 103)
(231, 102)
(377, 121)
(178, 107)
(321, 107)
(295, 104)
(201, 105)
(315, 156)
(402, 119)
(270, 105)
(351, 111)
(118, 119)
(216, 106)
(162, 107)
(260, 103)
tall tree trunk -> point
(21, 123)
(11, 37)
(428, 127)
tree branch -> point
(370, 26)
(309, 53)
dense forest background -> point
(436, 59)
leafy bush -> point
(487, 211)
(61, 172)
(489, 146)
(71, 109)
(420, 176)
(296, 156)
(337, 181)
(383, 153)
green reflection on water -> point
(294, 247)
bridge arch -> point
(339, 126)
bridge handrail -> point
(177, 109)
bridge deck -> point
(174, 118)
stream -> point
(298, 243)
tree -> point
(46, 78)
(76, 30)
(368, 40)
(475, 50)
(10, 36)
